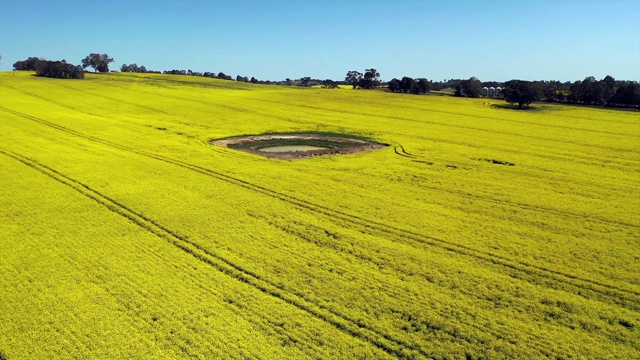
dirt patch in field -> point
(297, 146)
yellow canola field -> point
(480, 232)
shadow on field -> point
(515, 107)
(494, 161)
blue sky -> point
(272, 40)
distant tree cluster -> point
(626, 94)
(30, 64)
(223, 76)
(521, 92)
(304, 81)
(60, 70)
(605, 92)
(175, 72)
(469, 88)
(369, 80)
(409, 85)
(99, 62)
(189, 73)
(329, 84)
(54, 69)
(446, 84)
(133, 68)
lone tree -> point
(370, 80)
(521, 92)
(472, 87)
(353, 77)
(99, 62)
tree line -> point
(62, 69)
(605, 92)
(55, 69)
(59, 69)
(409, 85)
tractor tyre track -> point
(354, 328)
(512, 204)
(102, 95)
(615, 294)
(350, 101)
(40, 97)
(562, 158)
(336, 247)
(396, 118)
(242, 109)
(604, 132)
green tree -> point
(330, 84)
(472, 87)
(422, 86)
(30, 64)
(370, 79)
(60, 70)
(459, 91)
(627, 94)
(608, 87)
(520, 92)
(591, 91)
(394, 85)
(550, 90)
(353, 77)
(99, 62)
(407, 84)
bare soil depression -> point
(322, 145)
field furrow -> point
(479, 232)
(618, 295)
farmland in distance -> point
(479, 232)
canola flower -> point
(479, 232)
